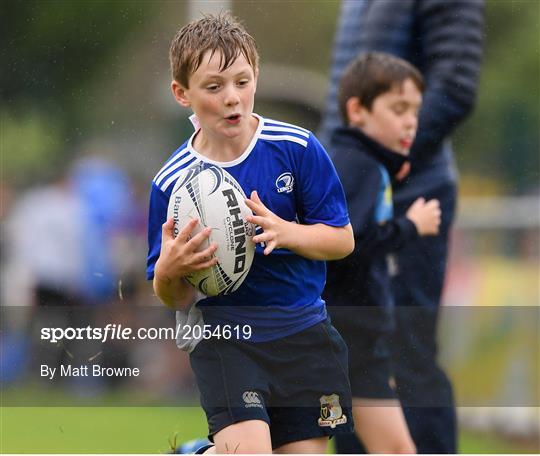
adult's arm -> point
(451, 35)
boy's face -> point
(393, 118)
(222, 100)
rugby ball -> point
(212, 195)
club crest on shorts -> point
(331, 412)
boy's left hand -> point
(274, 227)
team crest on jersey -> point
(285, 183)
(331, 412)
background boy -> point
(273, 391)
(444, 40)
(379, 99)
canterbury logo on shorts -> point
(252, 399)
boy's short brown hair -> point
(373, 74)
(222, 33)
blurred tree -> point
(502, 138)
(51, 51)
(71, 69)
(293, 32)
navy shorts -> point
(367, 333)
(298, 384)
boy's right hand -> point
(426, 216)
(403, 171)
(180, 256)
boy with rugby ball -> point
(286, 388)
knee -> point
(251, 436)
(406, 448)
(393, 447)
(242, 447)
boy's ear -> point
(355, 112)
(180, 94)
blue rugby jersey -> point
(296, 180)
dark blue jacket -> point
(443, 38)
(362, 278)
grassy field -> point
(137, 430)
(97, 429)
